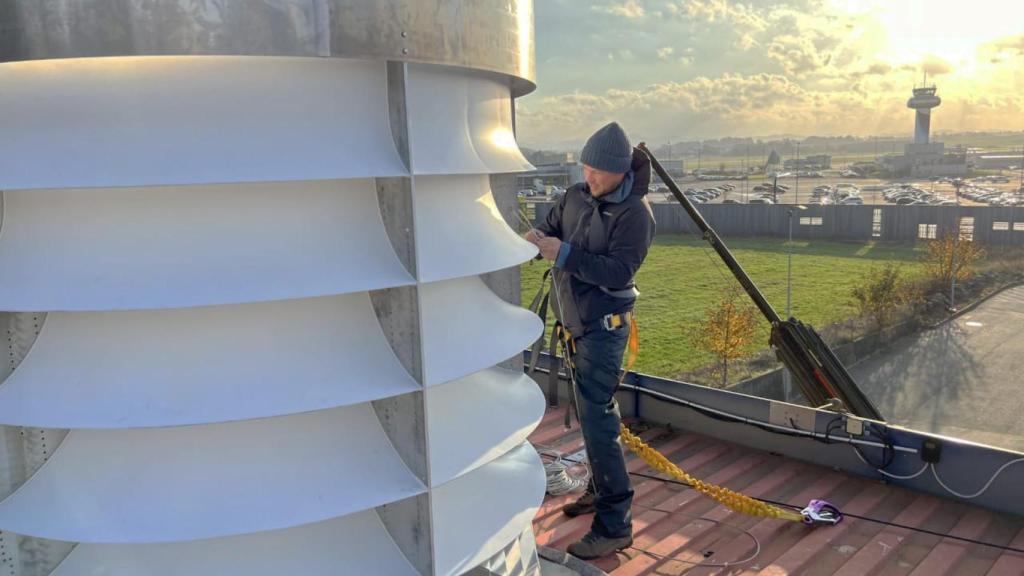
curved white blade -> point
(124, 248)
(354, 544)
(150, 121)
(466, 327)
(202, 365)
(490, 126)
(194, 482)
(460, 123)
(459, 230)
(479, 513)
(438, 107)
(475, 419)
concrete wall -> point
(771, 385)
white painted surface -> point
(466, 327)
(490, 123)
(479, 513)
(123, 248)
(196, 482)
(137, 121)
(202, 365)
(460, 123)
(476, 419)
(460, 231)
(354, 544)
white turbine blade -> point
(150, 121)
(466, 433)
(490, 123)
(354, 544)
(124, 248)
(459, 230)
(202, 365)
(194, 482)
(479, 513)
(439, 131)
(466, 327)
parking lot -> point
(799, 190)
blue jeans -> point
(597, 360)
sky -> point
(671, 70)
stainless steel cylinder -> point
(490, 35)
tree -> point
(728, 328)
(948, 255)
(882, 293)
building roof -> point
(676, 529)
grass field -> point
(680, 280)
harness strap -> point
(564, 337)
(554, 369)
(539, 306)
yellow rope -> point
(729, 498)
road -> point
(963, 379)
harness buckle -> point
(615, 321)
(820, 512)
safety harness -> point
(817, 512)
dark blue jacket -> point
(603, 249)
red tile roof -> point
(676, 529)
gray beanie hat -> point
(609, 150)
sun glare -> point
(930, 33)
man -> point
(598, 236)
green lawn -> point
(680, 280)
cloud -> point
(795, 66)
(1003, 48)
(724, 11)
(730, 99)
(631, 9)
(623, 54)
(935, 66)
(746, 42)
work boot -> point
(593, 545)
(583, 505)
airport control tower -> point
(923, 101)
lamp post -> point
(787, 378)
(789, 264)
(796, 187)
(957, 183)
(775, 186)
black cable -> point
(724, 418)
(888, 448)
(857, 516)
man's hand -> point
(533, 235)
(549, 247)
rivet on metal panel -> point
(405, 50)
